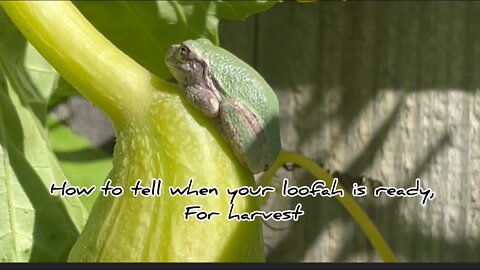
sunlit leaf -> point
(34, 226)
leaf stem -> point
(367, 226)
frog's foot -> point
(243, 131)
(203, 99)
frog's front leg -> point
(203, 99)
(243, 131)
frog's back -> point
(238, 79)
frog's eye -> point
(183, 51)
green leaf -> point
(240, 10)
(34, 226)
(83, 164)
(145, 29)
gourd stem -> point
(83, 56)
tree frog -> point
(241, 104)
